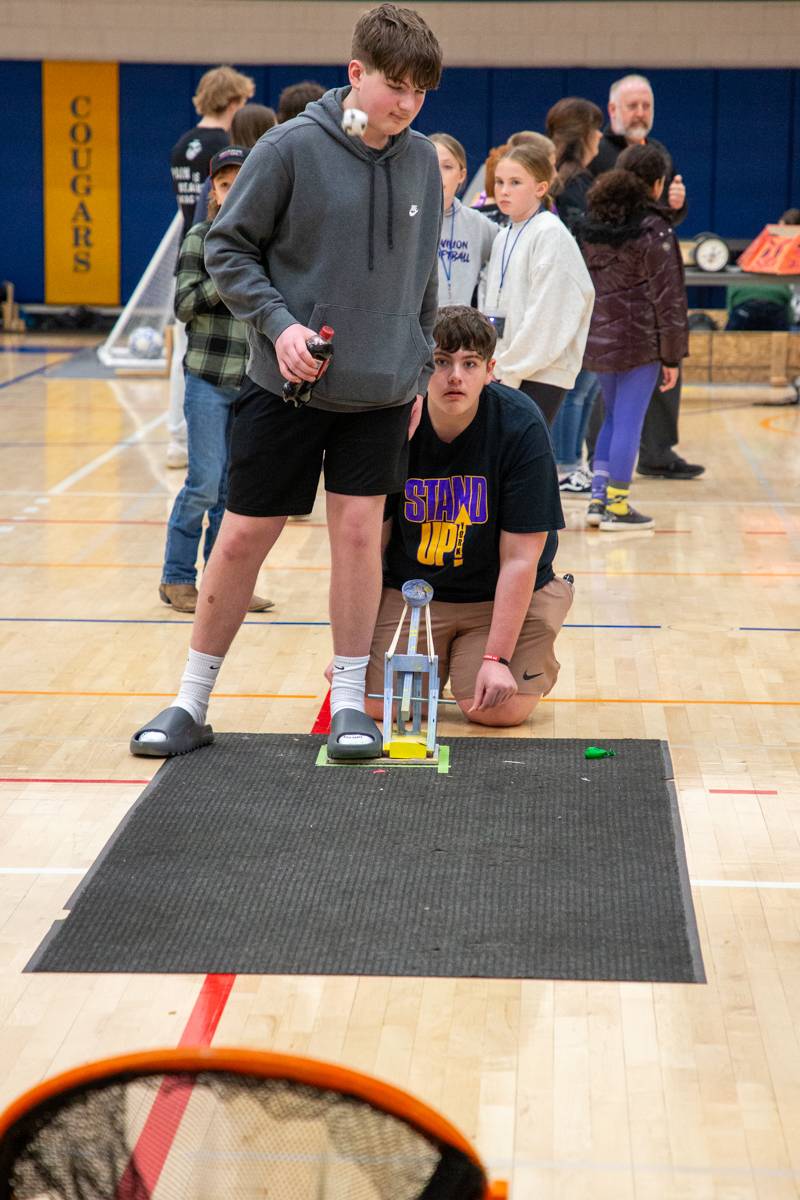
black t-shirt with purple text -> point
(499, 474)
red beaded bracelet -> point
(496, 658)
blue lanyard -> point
(505, 262)
(447, 258)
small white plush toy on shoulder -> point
(354, 122)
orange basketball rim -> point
(32, 1110)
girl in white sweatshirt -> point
(537, 290)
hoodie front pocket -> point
(377, 357)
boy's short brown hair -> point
(294, 98)
(399, 44)
(459, 327)
(218, 87)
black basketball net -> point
(237, 1138)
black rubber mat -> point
(525, 861)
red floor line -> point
(160, 1129)
(158, 1134)
(322, 724)
(742, 792)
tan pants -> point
(459, 638)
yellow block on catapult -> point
(409, 746)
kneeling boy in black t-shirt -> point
(477, 520)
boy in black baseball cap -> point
(230, 156)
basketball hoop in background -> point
(230, 1125)
(776, 251)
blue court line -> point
(27, 375)
(769, 628)
(567, 626)
(167, 621)
(41, 349)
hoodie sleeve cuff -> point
(277, 322)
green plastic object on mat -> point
(598, 752)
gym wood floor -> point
(691, 634)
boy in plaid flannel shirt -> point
(214, 367)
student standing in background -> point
(639, 330)
(575, 125)
(467, 235)
(220, 94)
(538, 293)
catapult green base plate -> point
(440, 761)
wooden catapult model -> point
(406, 738)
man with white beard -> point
(631, 110)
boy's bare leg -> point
(229, 579)
(354, 529)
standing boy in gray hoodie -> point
(323, 229)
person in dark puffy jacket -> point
(639, 328)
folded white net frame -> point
(140, 338)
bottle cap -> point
(326, 333)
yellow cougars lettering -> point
(81, 182)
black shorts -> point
(278, 451)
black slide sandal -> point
(181, 732)
(350, 723)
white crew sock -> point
(198, 679)
(348, 683)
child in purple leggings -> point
(639, 329)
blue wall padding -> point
(521, 98)
(21, 229)
(462, 102)
(794, 157)
(752, 148)
(154, 110)
(735, 135)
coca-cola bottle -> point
(320, 346)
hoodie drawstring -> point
(371, 222)
(389, 212)
(389, 203)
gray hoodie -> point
(464, 250)
(319, 229)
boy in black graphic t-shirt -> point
(477, 520)
(220, 93)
